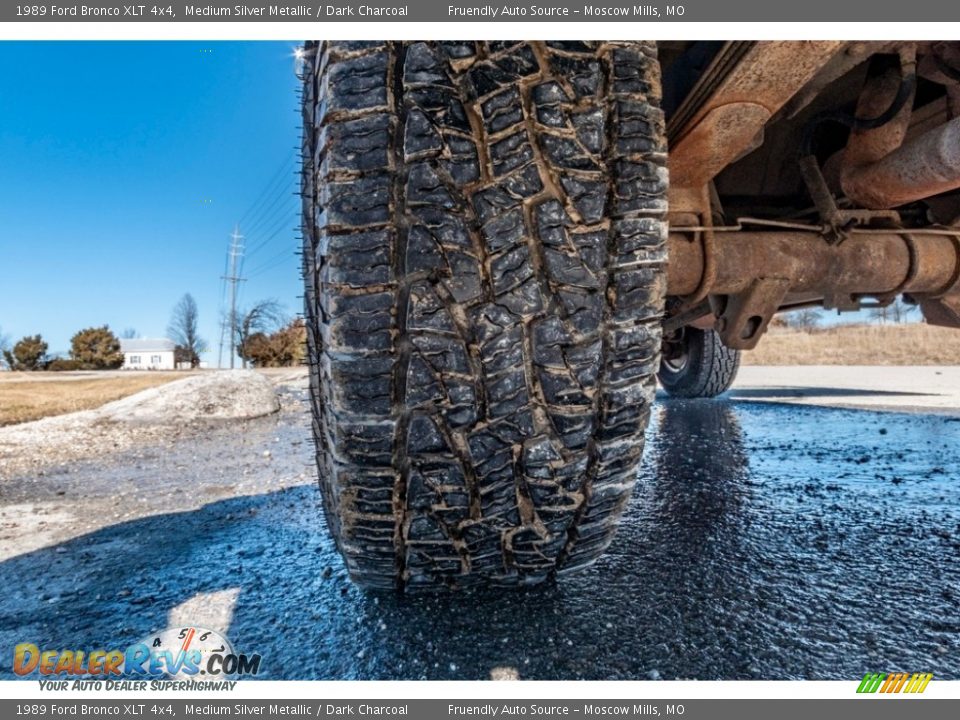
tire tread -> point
(484, 262)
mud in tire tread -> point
(484, 254)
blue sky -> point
(123, 169)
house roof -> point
(145, 345)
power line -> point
(282, 224)
(267, 189)
(272, 195)
(275, 261)
(266, 217)
(264, 207)
(278, 210)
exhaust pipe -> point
(925, 166)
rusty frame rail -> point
(727, 118)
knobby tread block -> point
(484, 255)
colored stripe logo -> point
(894, 683)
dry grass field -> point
(890, 344)
(31, 396)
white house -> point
(148, 354)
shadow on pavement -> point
(815, 392)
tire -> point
(485, 270)
(700, 366)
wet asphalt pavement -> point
(762, 542)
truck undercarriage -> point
(811, 173)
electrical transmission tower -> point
(233, 277)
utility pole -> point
(223, 330)
(236, 252)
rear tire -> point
(484, 264)
(698, 365)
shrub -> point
(96, 348)
(30, 353)
(63, 365)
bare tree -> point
(129, 334)
(183, 331)
(901, 311)
(898, 312)
(4, 348)
(880, 314)
(806, 319)
(264, 317)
